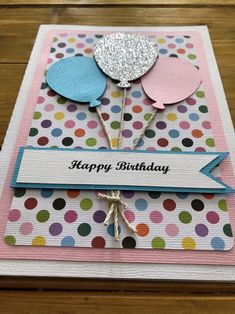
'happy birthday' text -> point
(121, 165)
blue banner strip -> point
(220, 156)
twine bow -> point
(116, 206)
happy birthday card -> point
(119, 153)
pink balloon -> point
(170, 80)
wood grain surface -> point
(120, 302)
(19, 22)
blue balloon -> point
(78, 79)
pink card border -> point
(116, 255)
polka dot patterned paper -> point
(72, 218)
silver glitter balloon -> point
(125, 57)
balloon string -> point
(104, 127)
(123, 109)
(116, 205)
(141, 135)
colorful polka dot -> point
(99, 216)
(59, 203)
(206, 125)
(191, 101)
(92, 124)
(10, 240)
(137, 125)
(59, 115)
(49, 107)
(73, 193)
(197, 205)
(150, 133)
(163, 51)
(19, 192)
(116, 94)
(37, 115)
(39, 241)
(171, 116)
(81, 116)
(169, 204)
(86, 204)
(61, 100)
(42, 141)
(212, 217)
(185, 217)
(128, 243)
(30, 203)
(115, 142)
(179, 40)
(79, 132)
(128, 194)
(217, 243)
(222, 205)
(26, 228)
(162, 142)
(187, 142)
(197, 133)
(192, 56)
(72, 108)
(136, 94)
(56, 132)
(184, 125)
(67, 141)
(130, 216)
(142, 229)
(43, 216)
(14, 215)
(188, 243)
(172, 230)
(200, 94)
(194, 117)
(110, 230)
(115, 125)
(158, 243)
(156, 216)
(210, 142)
(227, 230)
(91, 141)
(141, 204)
(174, 133)
(70, 216)
(33, 132)
(71, 40)
(203, 109)
(69, 124)
(55, 229)
(161, 40)
(137, 109)
(201, 230)
(68, 241)
(154, 194)
(161, 125)
(98, 242)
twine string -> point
(123, 109)
(112, 198)
(116, 205)
(104, 127)
(142, 133)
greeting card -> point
(119, 151)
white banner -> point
(112, 169)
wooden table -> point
(19, 22)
